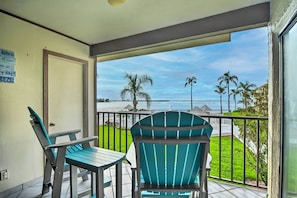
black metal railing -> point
(238, 144)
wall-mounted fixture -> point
(116, 2)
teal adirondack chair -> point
(171, 152)
(55, 154)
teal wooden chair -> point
(55, 154)
(171, 152)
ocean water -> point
(115, 106)
(162, 105)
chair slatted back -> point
(174, 163)
(42, 135)
(45, 140)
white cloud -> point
(245, 56)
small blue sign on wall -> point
(7, 63)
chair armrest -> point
(64, 133)
(71, 143)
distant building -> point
(205, 108)
(199, 111)
(127, 108)
(261, 99)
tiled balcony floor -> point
(216, 189)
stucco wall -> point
(281, 13)
(20, 151)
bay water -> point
(161, 105)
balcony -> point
(238, 148)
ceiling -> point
(137, 22)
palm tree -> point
(190, 81)
(227, 78)
(246, 92)
(135, 88)
(220, 90)
(235, 92)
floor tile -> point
(216, 188)
(223, 194)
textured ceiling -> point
(95, 21)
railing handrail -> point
(208, 116)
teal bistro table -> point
(95, 160)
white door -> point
(65, 93)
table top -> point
(95, 158)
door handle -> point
(52, 124)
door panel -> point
(289, 133)
(65, 94)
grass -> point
(119, 136)
(115, 139)
(226, 163)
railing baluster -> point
(244, 150)
(103, 131)
(120, 128)
(98, 129)
(126, 131)
(232, 136)
(258, 146)
(114, 131)
(108, 129)
(220, 148)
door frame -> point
(288, 26)
(84, 63)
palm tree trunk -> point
(221, 104)
(228, 99)
(191, 97)
(134, 109)
(245, 105)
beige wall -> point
(20, 151)
(281, 13)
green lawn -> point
(238, 159)
(238, 150)
(110, 138)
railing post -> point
(220, 148)
(120, 128)
(103, 131)
(244, 150)
(114, 131)
(232, 139)
(108, 129)
(126, 132)
(258, 146)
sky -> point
(246, 56)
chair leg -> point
(203, 185)
(57, 186)
(46, 178)
(58, 177)
(206, 186)
(133, 170)
(84, 174)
